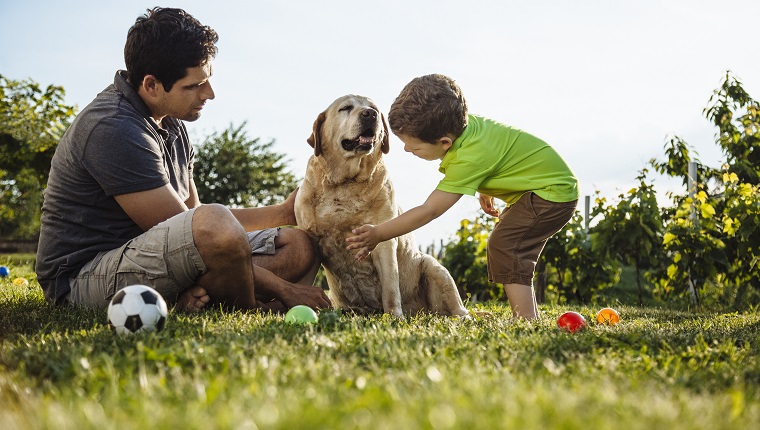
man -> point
(121, 206)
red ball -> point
(571, 321)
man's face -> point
(188, 95)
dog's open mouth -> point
(363, 143)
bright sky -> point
(602, 81)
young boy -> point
(481, 155)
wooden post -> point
(691, 185)
(586, 215)
(691, 182)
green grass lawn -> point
(657, 369)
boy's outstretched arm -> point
(368, 236)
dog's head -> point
(352, 124)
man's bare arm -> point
(148, 208)
(268, 216)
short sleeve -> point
(124, 159)
(462, 177)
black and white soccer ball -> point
(137, 308)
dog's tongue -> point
(365, 140)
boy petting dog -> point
(480, 155)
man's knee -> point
(215, 229)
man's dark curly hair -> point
(165, 43)
(428, 108)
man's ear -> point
(151, 85)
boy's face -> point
(425, 150)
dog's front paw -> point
(396, 312)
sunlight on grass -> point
(658, 368)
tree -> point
(711, 238)
(575, 271)
(737, 117)
(631, 232)
(740, 223)
(32, 121)
(465, 258)
(234, 170)
(679, 156)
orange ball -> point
(607, 316)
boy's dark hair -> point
(428, 108)
(165, 43)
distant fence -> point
(12, 246)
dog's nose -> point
(369, 113)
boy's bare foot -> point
(192, 300)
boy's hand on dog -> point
(365, 240)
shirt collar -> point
(121, 84)
(466, 133)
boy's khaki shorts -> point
(520, 235)
(164, 258)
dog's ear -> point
(386, 145)
(315, 140)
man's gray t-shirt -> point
(113, 147)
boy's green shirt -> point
(504, 162)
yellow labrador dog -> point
(346, 186)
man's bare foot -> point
(192, 300)
(274, 306)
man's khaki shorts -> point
(521, 234)
(164, 258)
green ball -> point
(301, 314)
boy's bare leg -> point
(522, 299)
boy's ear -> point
(446, 142)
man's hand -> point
(289, 207)
(313, 297)
(365, 241)
(269, 286)
(486, 202)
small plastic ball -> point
(571, 321)
(301, 314)
(607, 316)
